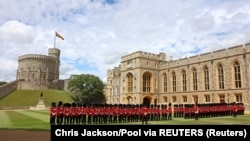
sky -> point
(97, 33)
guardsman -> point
(163, 112)
(196, 111)
(90, 113)
(79, 112)
(53, 113)
(234, 109)
(66, 113)
(115, 113)
(84, 114)
(144, 114)
(169, 111)
(73, 112)
(59, 115)
(111, 113)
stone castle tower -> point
(37, 71)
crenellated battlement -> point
(35, 57)
(218, 54)
(141, 54)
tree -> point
(86, 88)
(2, 83)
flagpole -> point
(55, 41)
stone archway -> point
(146, 101)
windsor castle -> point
(221, 76)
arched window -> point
(130, 82)
(146, 82)
(184, 80)
(165, 83)
(237, 74)
(174, 81)
(206, 78)
(221, 76)
(195, 87)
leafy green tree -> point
(86, 88)
(2, 83)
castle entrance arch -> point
(146, 100)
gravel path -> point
(24, 135)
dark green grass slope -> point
(22, 98)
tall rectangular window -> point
(221, 76)
(165, 83)
(174, 82)
(237, 75)
(184, 81)
(206, 78)
(130, 82)
(195, 87)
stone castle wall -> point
(8, 88)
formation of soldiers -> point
(188, 111)
(80, 114)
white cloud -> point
(97, 34)
(16, 32)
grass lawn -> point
(39, 120)
(29, 98)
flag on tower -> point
(59, 36)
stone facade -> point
(214, 77)
(39, 71)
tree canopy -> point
(2, 83)
(86, 88)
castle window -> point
(207, 98)
(146, 82)
(165, 99)
(174, 98)
(237, 75)
(206, 78)
(165, 88)
(221, 76)
(184, 81)
(184, 98)
(195, 80)
(195, 98)
(238, 97)
(130, 82)
(129, 64)
(174, 81)
(110, 90)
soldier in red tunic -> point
(144, 114)
(196, 111)
(59, 114)
(66, 113)
(53, 111)
(84, 114)
(169, 111)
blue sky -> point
(99, 32)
